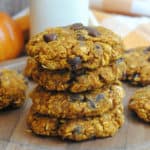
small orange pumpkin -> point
(11, 38)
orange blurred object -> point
(23, 22)
(11, 38)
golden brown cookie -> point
(75, 81)
(75, 47)
(138, 66)
(69, 105)
(77, 129)
(12, 89)
(140, 103)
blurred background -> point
(13, 6)
(129, 7)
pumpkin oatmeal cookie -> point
(75, 47)
(12, 89)
(140, 103)
(138, 66)
(75, 81)
(77, 129)
(69, 105)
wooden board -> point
(134, 135)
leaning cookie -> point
(75, 81)
(138, 66)
(140, 103)
(77, 129)
(68, 105)
(12, 89)
(75, 47)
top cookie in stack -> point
(75, 58)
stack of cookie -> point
(77, 69)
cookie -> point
(140, 103)
(75, 47)
(75, 81)
(69, 105)
(138, 66)
(12, 89)
(78, 129)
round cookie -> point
(69, 105)
(75, 47)
(77, 129)
(75, 81)
(138, 66)
(12, 89)
(140, 103)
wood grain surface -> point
(13, 6)
(134, 135)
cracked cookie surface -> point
(75, 47)
(77, 129)
(75, 81)
(138, 66)
(12, 89)
(140, 103)
(69, 105)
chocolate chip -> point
(99, 97)
(146, 50)
(92, 31)
(77, 26)
(49, 37)
(75, 62)
(80, 37)
(118, 61)
(97, 47)
(75, 97)
(91, 103)
(77, 130)
(148, 59)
